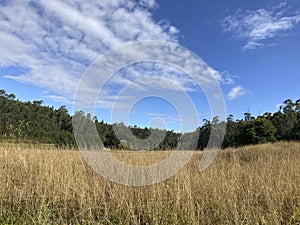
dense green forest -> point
(35, 123)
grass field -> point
(251, 185)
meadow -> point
(250, 185)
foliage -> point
(35, 123)
(282, 125)
(30, 121)
(257, 131)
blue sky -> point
(251, 48)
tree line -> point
(36, 123)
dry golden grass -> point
(142, 158)
(250, 185)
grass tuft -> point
(249, 185)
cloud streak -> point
(57, 40)
(236, 92)
(256, 27)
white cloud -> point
(257, 26)
(278, 106)
(57, 40)
(58, 98)
(171, 118)
(227, 78)
(236, 92)
(166, 117)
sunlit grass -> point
(250, 185)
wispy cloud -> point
(278, 106)
(58, 40)
(58, 98)
(169, 118)
(236, 92)
(255, 27)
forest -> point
(35, 123)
